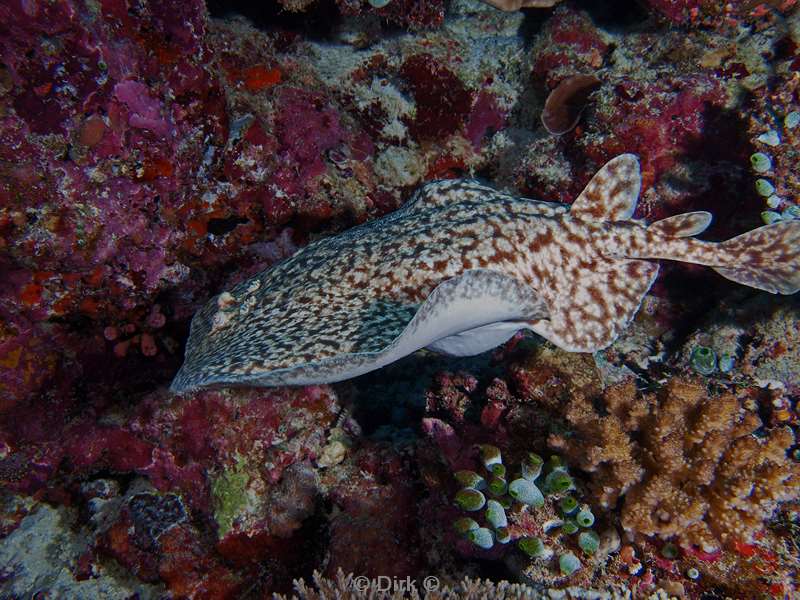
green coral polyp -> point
(490, 455)
(584, 518)
(532, 546)
(498, 486)
(764, 188)
(495, 514)
(464, 525)
(499, 470)
(481, 537)
(558, 481)
(704, 360)
(526, 492)
(470, 500)
(569, 527)
(726, 362)
(502, 535)
(568, 505)
(568, 563)
(760, 162)
(532, 466)
(589, 542)
(470, 479)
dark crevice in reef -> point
(616, 14)
(317, 22)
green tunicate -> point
(791, 120)
(764, 188)
(770, 216)
(464, 525)
(502, 535)
(669, 551)
(760, 162)
(791, 213)
(726, 362)
(589, 541)
(481, 537)
(568, 563)
(774, 201)
(555, 463)
(584, 518)
(568, 505)
(557, 482)
(498, 470)
(505, 501)
(470, 479)
(526, 492)
(532, 546)
(704, 360)
(495, 514)
(770, 138)
(692, 573)
(470, 500)
(490, 455)
(569, 527)
(378, 3)
(497, 486)
(532, 466)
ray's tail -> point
(767, 258)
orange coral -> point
(686, 462)
(602, 445)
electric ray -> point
(459, 269)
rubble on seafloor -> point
(154, 153)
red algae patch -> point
(91, 132)
(443, 102)
(260, 77)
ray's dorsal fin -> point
(612, 193)
(685, 225)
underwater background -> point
(153, 154)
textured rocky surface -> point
(154, 153)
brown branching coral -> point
(602, 445)
(687, 463)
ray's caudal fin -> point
(768, 258)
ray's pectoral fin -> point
(595, 307)
(612, 193)
(470, 314)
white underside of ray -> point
(478, 340)
(466, 315)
